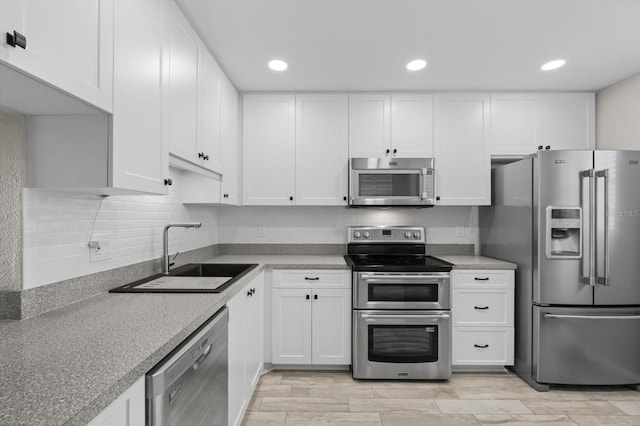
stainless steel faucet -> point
(165, 241)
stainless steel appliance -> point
(401, 305)
(392, 182)
(570, 220)
(189, 387)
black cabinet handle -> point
(168, 182)
(290, 198)
(206, 157)
(307, 297)
(481, 279)
(253, 291)
(16, 40)
(438, 198)
(388, 151)
(225, 196)
(344, 198)
(547, 147)
(315, 297)
(201, 155)
(395, 151)
(249, 294)
(312, 278)
(481, 346)
(481, 308)
(540, 147)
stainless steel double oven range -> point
(401, 305)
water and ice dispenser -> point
(564, 233)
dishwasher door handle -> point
(202, 357)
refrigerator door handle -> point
(604, 317)
(589, 256)
(604, 279)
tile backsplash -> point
(57, 227)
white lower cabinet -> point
(311, 317)
(483, 311)
(246, 340)
(127, 410)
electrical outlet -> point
(260, 231)
(100, 247)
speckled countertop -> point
(65, 366)
(477, 262)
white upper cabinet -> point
(522, 123)
(568, 120)
(462, 149)
(321, 149)
(268, 149)
(412, 125)
(397, 125)
(139, 149)
(210, 150)
(231, 149)
(369, 125)
(183, 88)
(516, 123)
(68, 44)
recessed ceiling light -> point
(416, 64)
(278, 65)
(552, 65)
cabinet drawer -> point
(482, 307)
(483, 346)
(482, 277)
(311, 278)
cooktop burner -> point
(397, 263)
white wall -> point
(57, 225)
(327, 225)
(618, 115)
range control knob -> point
(357, 234)
(407, 234)
(416, 234)
(366, 234)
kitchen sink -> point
(191, 278)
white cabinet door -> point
(139, 154)
(209, 113)
(322, 138)
(331, 326)
(268, 150)
(462, 149)
(412, 125)
(369, 125)
(69, 44)
(127, 410)
(516, 123)
(183, 88)
(255, 332)
(230, 145)
(291, 326)
(237, 357)
(568, 120)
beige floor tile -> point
(254, 404)
(339, 391)
(271, 378)
(482, 406)
(304, 404)
(524, 420)
(332, 419)
(272, 390)
(631, 408)
(427, 419)
(415, 392)
(612, 395)
(313, 377)
(496, 391)
(264, 419)
(597, 408)
(606, 420)
(389, 404)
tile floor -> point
(334, 398)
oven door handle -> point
(421, 317)
(436, 276)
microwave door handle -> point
(604, 279)
(589, 256)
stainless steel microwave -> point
(392, 182)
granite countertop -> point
(65, 366)
(477, 262)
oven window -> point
(403, 343)
(387, 184)
(403, 293)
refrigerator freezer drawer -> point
(586, 346)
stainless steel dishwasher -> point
(190, 386)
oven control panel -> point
(386, 234)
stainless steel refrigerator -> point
(570, 220)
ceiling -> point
(485, 45)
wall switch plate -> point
(100, 247)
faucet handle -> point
(173, 261)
